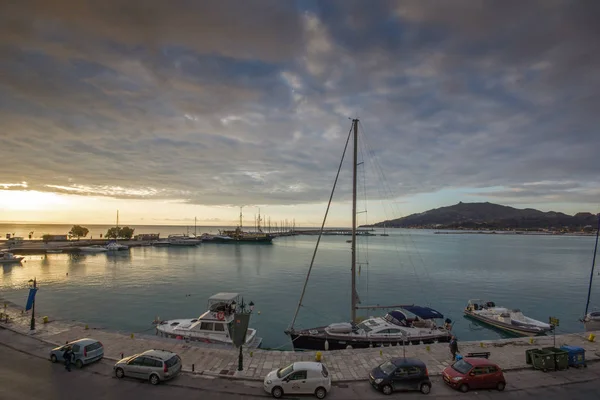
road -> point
(27, 376)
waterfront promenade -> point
(345, 365)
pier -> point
(344, 365)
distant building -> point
(147, 236)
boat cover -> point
(423, 312)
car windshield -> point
(462, 366)
(284, 371)
(387, 367)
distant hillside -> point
(491, 216)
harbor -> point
(345, 365)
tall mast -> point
(354, 166)
(587, 304)
(241, 217)
(195, 227)
(117, 235)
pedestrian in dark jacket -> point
(453, 347)
(68, 355)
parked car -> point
(152, 365)
(474, 373)
(303, 377)
(85, 351)
(401, 374)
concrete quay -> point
(345, 365)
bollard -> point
(132, 335)
(86, 327)
(380, 352)
(318, 356)
(531, 341)
(481, 344)
(193, 367)
(592, 337)
(428, 348)
(121, 356)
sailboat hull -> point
(317, 342)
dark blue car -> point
(401, 374)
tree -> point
(79, 231)
(124, 232)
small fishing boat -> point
(505, 319)
(212, 327)
(9, 258)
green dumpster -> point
(543, 359)
(561, 357)
(528, 355)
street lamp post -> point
(33, 285)
(240, 327)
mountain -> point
(492, 216)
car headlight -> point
(378, 381)
(268, 382)
(457, 378)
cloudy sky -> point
(168, 110)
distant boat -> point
(505, 319)
(55, 251)
(183, 240)
(115, 246)
(9, 258)
(93, 249)
(384, 233)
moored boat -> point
(9, 258)
(183, 240)
(93, 249)
(212, 327)
(115, 246)
(510, 320)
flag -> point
(30, 299)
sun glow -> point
(29, 200)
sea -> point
(542, 275)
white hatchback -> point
(303, 377)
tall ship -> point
(405, 324)
(213, 327)
(238, 235)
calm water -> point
(541, 275)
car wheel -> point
(53, 358)
(277, 392)
(386, 389)
(154, 379)
(120, 373)
(500, 386)
(425, 388)
(320, 393)
(79, 364)
(464, 388)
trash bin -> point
(576, 356)
(542, 359)
(528, 355)
(561, 357)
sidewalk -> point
(345, 365)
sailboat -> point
(406, 324)
(384, 232)
(591, 320)
(114, 245)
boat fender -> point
(220, 315)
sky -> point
(170, 110)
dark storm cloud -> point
(212, 102)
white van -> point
(303, 377)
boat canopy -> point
(224, 297)
(423, 312)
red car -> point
(474, 373)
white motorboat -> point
(93, 249)
(115, 246)
(183, 240)
(9, 258)
(505, 319)
(212, 327)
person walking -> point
(453, 347)
(68, 355)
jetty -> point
(344, 365)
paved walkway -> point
(345, 365)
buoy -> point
(592, 337)
(326, 344)
(319, 355)
(258, 312)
